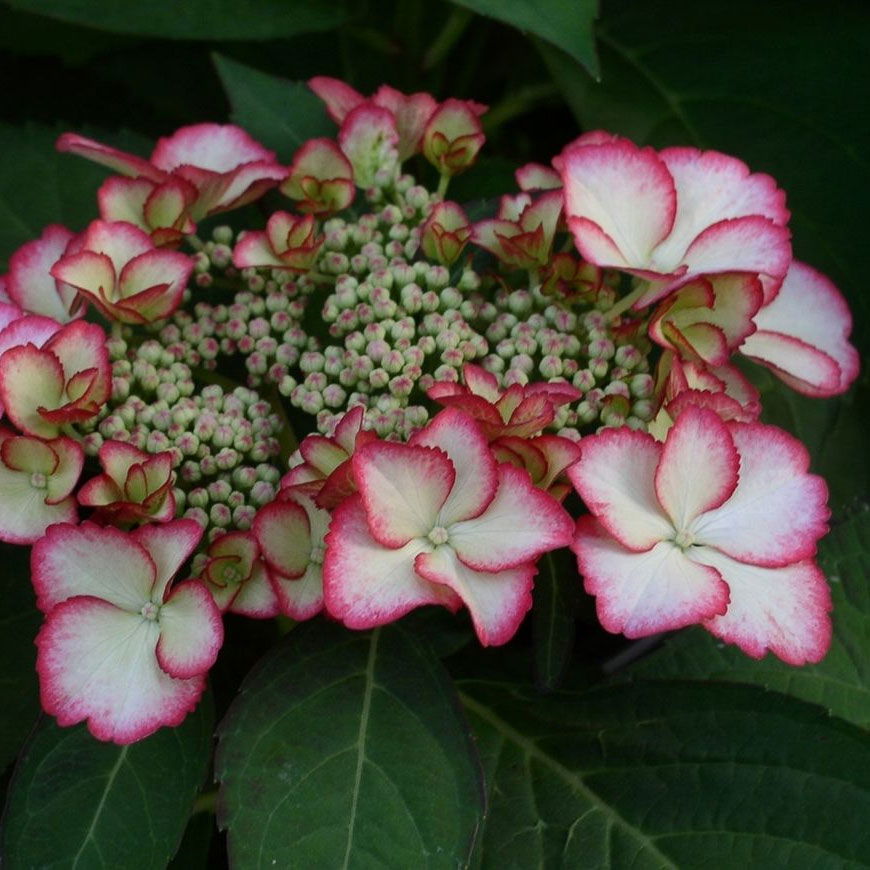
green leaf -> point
(566, 25)
(553, 619)
(840, 683)
(279, 113)
(195, 19)
(39, 186)
(77, 802)
(666, 775)
(762, 81)
(348, 749)
(19, 688)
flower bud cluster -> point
(224, 445)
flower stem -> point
(627, 301)
(451, 32)
(442, 185)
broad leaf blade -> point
(195, 19)
(19, 688)
(277, 112)
(75, 801)
(666, 775)
(840, 683)
(566, 25)
(348, 749)
(553, 619)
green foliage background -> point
(409, 747)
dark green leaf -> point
(39, 186)
(195, 19)
(567, 25)
(19, 689)
(762, 81)
(348, 749)
(555, 596)
(77, 802)
(666, 775)
(279, 113)
(841, 682)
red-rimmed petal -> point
(256, 598)
(536, 176)
(615, 477)
(403, 488)
(642, 593)
(699, 467)
(803, 335)
(366, 584)
(283, 531)
(32, 329)
(365, 133)
(784, 610)
(778, 511)
(254, 250)
(118, 240)
(31, 379)
(98, 663)
(169, 545)
(30, 283)
(191, 631)
(518, 525)
(459, 436)
(120, 161)
(300, 598)
(624, 191)
(217, 147)
(340, 98)
(496, 601)
(92, 560)
(712, 186)
(746, 244)
(70, 461)
(88, 271)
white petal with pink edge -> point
(803, 334)
(784, 610)
(460, 437)
(218, 147)
(256, 598)
(169, 545)
(626, 191)
(403, 487)
(97, 663)
(497, 601)
(712, 187)
(615, 478)
(638, 594)
(99, 561)
(120, 161)
(283, 531)
(699, 467)
(778, 510)
(302, 598)
(31, 380)
(746, 244)
(253, 249)
(30, 283)
(191, 631)
(366, 584)
(519, 524)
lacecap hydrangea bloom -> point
(479, 392)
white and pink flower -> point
(716, 526)
(121, 646)
(226, 166)
(116, 266)
(515, 411)
(289, 242)
(439, 521)
(52, 375)
(135, 487)
(320, 178)
(672, 215)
